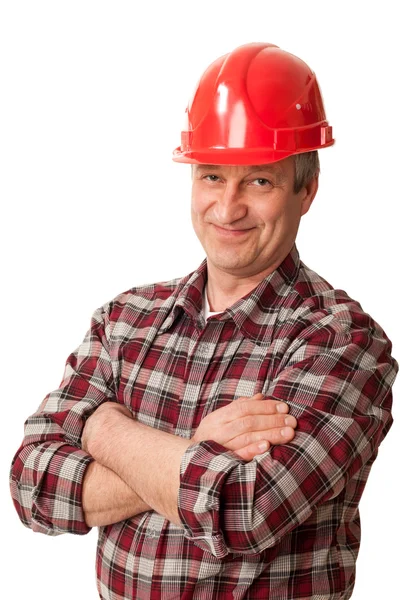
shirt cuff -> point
(204, 469)
(57, 499)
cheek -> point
(197, 215)
(269, 213)
(199, 205)
(278, 212)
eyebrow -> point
(252, 168)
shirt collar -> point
(255, 315)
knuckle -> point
(275, 437)
(270, 406)
(243, 406)
(248, 422)
(275, 421)
(242, 424)
(247, 439)
(280, 421)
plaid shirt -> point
(282, 526)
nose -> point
(229, 206)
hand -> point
(248, 426)
(99, 421)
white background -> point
(91, 105)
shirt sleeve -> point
(338, 386)
(48, 469)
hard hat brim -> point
(236, 156)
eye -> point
(212, 178)
(261, 182)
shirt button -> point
(151, 533)
(202, 350)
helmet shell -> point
(255, 105)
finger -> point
(271, 406)
(243, 407)
(249, 452)
(253, 450)
(245, 427)
(276, 437)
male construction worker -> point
(219, 428)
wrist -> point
(110, 426)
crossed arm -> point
(136, 468)
(338, 386)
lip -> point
(231, 232)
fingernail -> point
(289, 421)
(262, 446)
(286, 431)
(281, 408)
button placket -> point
(194, 376)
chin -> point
(229, 263)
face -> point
(247, 217)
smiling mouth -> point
(231, 232)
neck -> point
(224, 289)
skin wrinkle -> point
(306, 166)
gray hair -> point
(306, 167)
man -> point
(171, 428)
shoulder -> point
(317, 314)
(140, 305)
(147, 297)
(317, 300)
(331, 347)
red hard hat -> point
(256, 105)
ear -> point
(308, 194)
